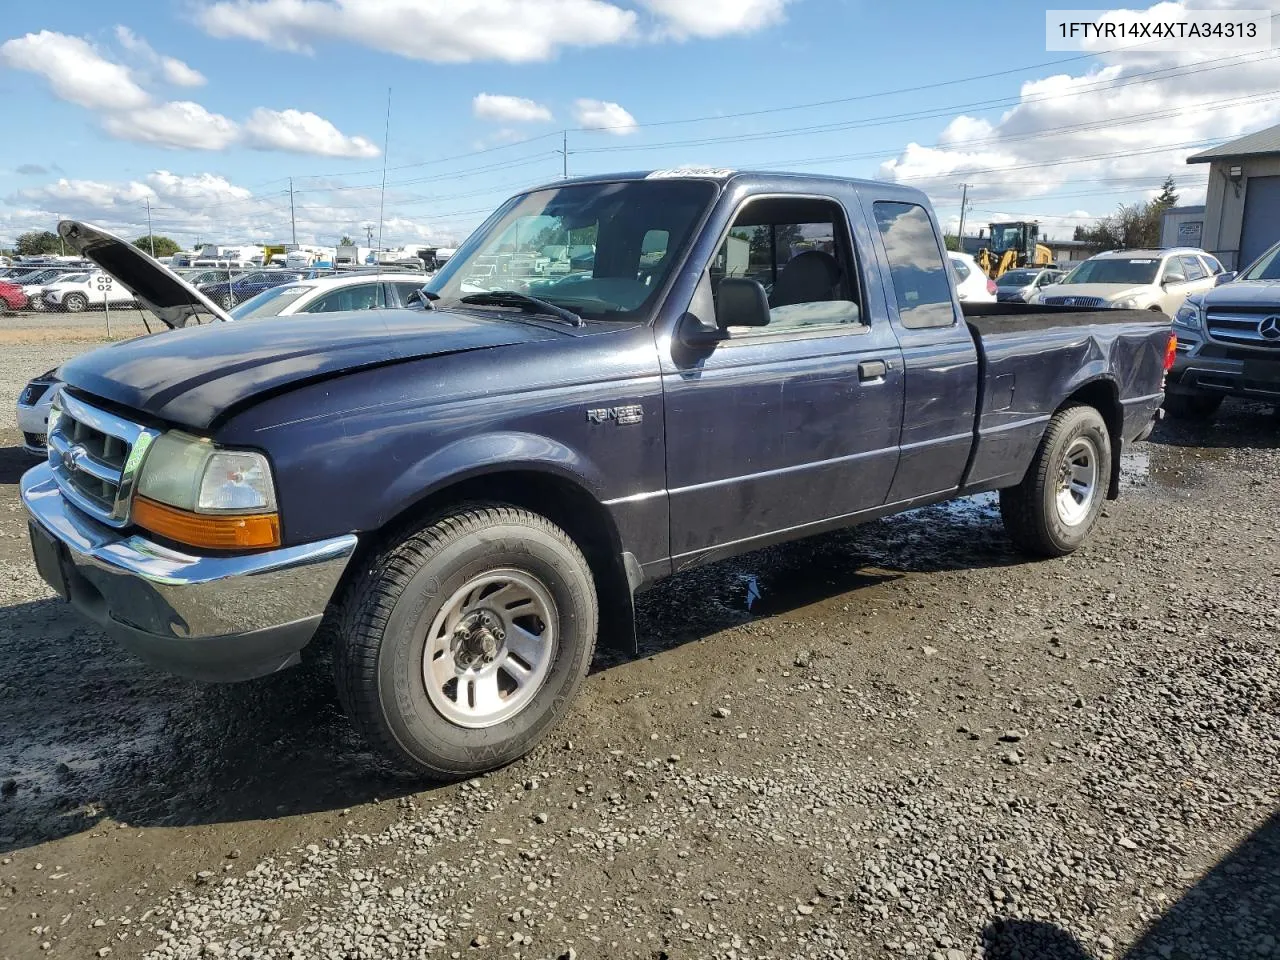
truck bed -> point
(1031, 358)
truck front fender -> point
(498, 452)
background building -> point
(1242, 207)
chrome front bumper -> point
(218, 618)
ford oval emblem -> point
(72, 456)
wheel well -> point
(1103, 396)
(563, 502)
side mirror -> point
(1224, 278)
(742, 303)
(693, 331)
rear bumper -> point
(214, 618)
(1140, 415)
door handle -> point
(872, 371)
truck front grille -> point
(95, 458)
(1074, 301)
(1261, 330)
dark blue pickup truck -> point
(461, 497)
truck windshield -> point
(1267, 266)
(601, 250)
(1115, 270)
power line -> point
(886, 93)
(893, 118)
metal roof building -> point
(1242, 205)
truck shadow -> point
(964, 534)
(14, 462)
(1239, 423)
(1232, 911)
(92, 733)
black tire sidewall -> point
(75, 303)
(1079, 422)
(421, 731)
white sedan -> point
(359, 291)
(972, 284)
(33, 411)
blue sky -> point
(206, 110)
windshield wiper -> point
(522, 301)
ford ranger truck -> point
(461, 498)
(1228, 342)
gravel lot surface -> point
(901, 741)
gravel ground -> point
(901, 741)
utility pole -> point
(964, 202)
(368, 232)
(151, 237)
(382, 194)
(293, 221)
(564, 152)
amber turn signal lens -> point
(213, 532)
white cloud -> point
(297, 131)
(173, 70)
(716, 18)
(217, 210)
(1135, 129)
(460, 31)
(604, 115)
(179, 124)
(505, 109)
(76, 71)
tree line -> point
(1134, 226)
(46, 243)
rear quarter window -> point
(920, 280)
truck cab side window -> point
(920, 278)
(798, 249)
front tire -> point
(1052, 512)
(1192, 406)
(464, 644)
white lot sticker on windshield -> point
(719, 173)
(1142, 261)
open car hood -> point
(174, 301)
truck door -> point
(941, 361)
(785, 425)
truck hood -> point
(1244, 293)
(196, 376)
(174, 301)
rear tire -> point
(463, 644)
(1192, 406)
(75, 303)
(1053, 510)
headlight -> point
(1125, 303)
(197, 493)
(1189, 315)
